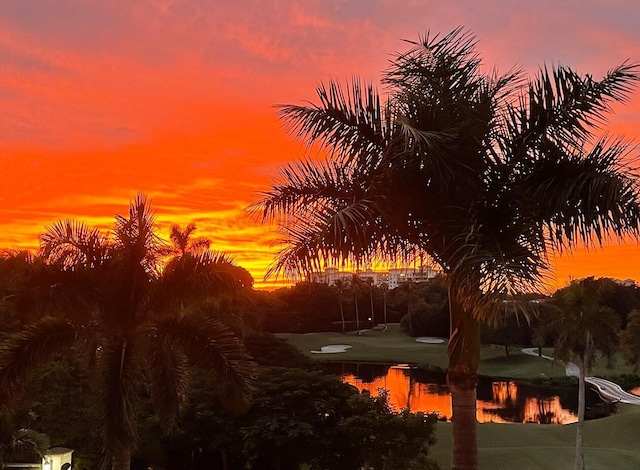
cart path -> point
(609, 391)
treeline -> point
(422, 309)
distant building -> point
(392, 278)
(330, 276)
(398, 276)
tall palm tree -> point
(356, 288)
(369, 283)
(385, 288)
(410, 295)
(485, 173)
(112, 303)
(579, 326)
(341, 286)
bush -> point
(269, 350)
(300, 419)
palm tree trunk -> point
(464, 358)
(373, 315)
(463, 421)
(341, 312)
(121, 460)
(384, 303)
(409, 313)
(223, 454)
(579, 428)
(355, 298)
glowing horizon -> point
(174, 98)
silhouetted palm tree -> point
(580, 325)
(111, 303)
(182, 241)
(482, 172)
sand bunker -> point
(332, 349)
(429, 340)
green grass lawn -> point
(610, 443)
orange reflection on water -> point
(433, 398)
(405, 393)
(547, 411)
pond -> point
(498, 401)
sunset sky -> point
(102, 99)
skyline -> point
(176, 99)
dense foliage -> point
(301, 417)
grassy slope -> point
(610, 443)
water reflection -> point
(498, 401)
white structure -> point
(57, 458)
(393, 278)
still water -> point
(498, 401)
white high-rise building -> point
(392, 278)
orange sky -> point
(101, 99)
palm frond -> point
(583, 197)
(136, 235)
(71, 243)
(211, 345)
(25, 350)
(194, 275)
(568, 107)
(50, 290)
(349, 122)
(25, 442)
(167, 370)
(304, 183)
(119, 370)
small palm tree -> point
(109, 300)
(579, 326)
(182, 241)
(484, 173)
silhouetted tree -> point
(482, 172)
(112, 304)
(630, 340)
(580, 325)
